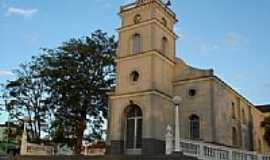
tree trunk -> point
(79, 133)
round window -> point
(192, 92)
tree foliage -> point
(25, 97)
(78, 74)
(66, 88)
(266, 125)
(2, 97)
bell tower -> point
(141, 102)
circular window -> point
(134, 76)
(137, 18)
(192, 92)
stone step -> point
(120, 157)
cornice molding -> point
(147, 22)
(141, 93)
(146, 53)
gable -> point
(182, 71)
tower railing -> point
(134, 4)
(128, 6)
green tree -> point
(2, 102)
(78, 75)
(25, 97)
(266, 125)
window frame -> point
(164, 45)
(164, 21)
(194, 127)
(136, 43)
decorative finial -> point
(168, 3)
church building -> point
(149, 75)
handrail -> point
(206, 151)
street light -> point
(176, 101)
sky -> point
(230, 36)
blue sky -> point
(230, 36)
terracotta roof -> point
(264, 108)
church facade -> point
(149, 75)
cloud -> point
(13, 11)
(234, 40)
(6, 73)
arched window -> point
(234, 136)
(136, 43)
(233, 111)
(134, 76)
(134, 127)
(194, 127)
(164, 45)
(243, 116)
(164, 22)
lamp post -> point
(176, 101)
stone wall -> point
(233, 110)
(199, 104)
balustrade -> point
(206, 151)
